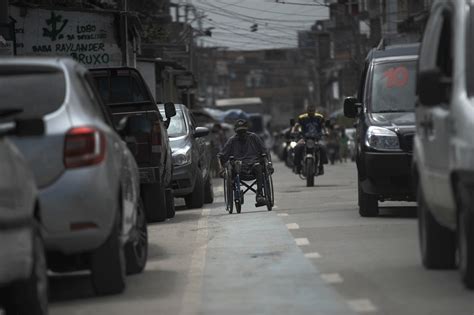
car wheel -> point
(136, 249)
(208, 191)
(196, 199)
(170, 208)
(368, 204)
(108, 263)
(437, 243)
(30, 296)
(154, 200)
(465, 237)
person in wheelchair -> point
(248, 148)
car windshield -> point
(43, 90)
(177, 126)
(393, 87)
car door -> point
(434, 121)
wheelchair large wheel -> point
(268, 189)
(228, 194)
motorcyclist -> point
(247, 147)
(308, 123)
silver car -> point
(23, 278)
(87, 178)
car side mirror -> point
(200, 132)
(170, 110)
(432, 87)
(351, 107)
(28, 127)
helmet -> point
(241, 125)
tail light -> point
(84, 146)
(156, 138)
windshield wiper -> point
(6, 112)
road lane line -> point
(292, 226)
(362, 306)
(191, 302)
(282, 214)
(302, 241)
(332, 278)
(312, 255)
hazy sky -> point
(278, 23)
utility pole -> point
(124, 32)
(4, 12)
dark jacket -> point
(247, 149)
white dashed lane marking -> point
(362, 306)
(292, 226)
(312, 255)
(332, 278)
(282, 214)
(301, 241)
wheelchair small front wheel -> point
(238, 206)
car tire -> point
(465, 233)
(154, 200)
(170, 208)
(195, 199)
(108, 263)
(437, 243)
(368, 204)
(136, 249)
(208, 191)
(30, 296)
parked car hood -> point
(401, 119)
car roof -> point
(394, 51)
(56, 62)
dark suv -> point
(385, 129)
(127, 95)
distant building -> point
(279, 77)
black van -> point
(385, 126)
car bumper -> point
(183, 180)
(388, 175)
(16, 254)
(78, 210)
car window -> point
(36, 90)
(393, 87)
(122, 87)
(177, 125)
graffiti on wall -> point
(89, 38)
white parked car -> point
(444, 142)
(88, 182)
(23, 277)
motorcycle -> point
(290, 153)
(311, 158)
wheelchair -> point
(237, 184)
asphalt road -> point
(312, 255)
